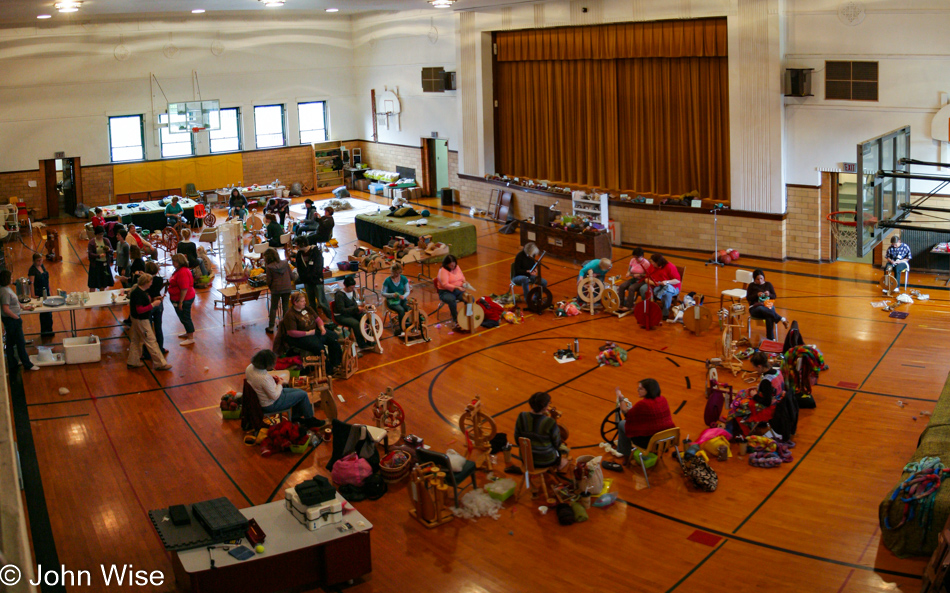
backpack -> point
(492, 309)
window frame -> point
(112, 148)
(283, 126)
(240, 142)
(326, 123)
(166, 130)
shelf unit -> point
(327, 177)
(594, 206)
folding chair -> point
(659, 444)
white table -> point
(96, 300)
(293, 557)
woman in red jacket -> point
(181, 292)
(644, 419)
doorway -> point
(435, 156)
(63, 186)
(845, 199)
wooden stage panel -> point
(170, 439)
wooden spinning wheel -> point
(729, 348)
(170, 238)
(413, 324)
(388, 414)
(479, 429)
(210, 219)
(610, 300)
(371, 326)
(889, 283)
(697, 319)
(471, 322)
(539, 299)
(590, 289)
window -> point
(433, 80)
(180, 144)
(313, 122)
(127, 138)
(269, 125)
(228, 138)
(851, 81)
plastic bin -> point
(82, 350)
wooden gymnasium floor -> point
(123, 442)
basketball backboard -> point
(879, 196)
(191, 115)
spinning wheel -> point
(590, 289)
(539, 299)
(610, 426)
(170, 238)
(371, 326)
(648, 314)
(697, 319)
(388, 414)
(209, 219)
(414, 322)
(473, 322)
(610, 300)
(889, 283)
(478, 428)
(729, 348)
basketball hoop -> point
(196, 129)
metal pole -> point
(715, 258)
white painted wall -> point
(59, 84)
(909, 42)
(389, 52)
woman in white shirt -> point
(273, 396)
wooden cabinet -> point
(577, 247)
(328, 165)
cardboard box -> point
(362, 184)
(415, 193)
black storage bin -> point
(448, 196)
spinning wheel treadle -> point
(610, 300)
(590, 289)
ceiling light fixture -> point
(198, 11)
(441, 3)
(44, 16)
(333, 10)
(273, 3)
(68, 6)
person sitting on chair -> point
(599, 267)
(174, 213)
(273, 396)
(664, 279)
(396, 290)
(309, 222)
(524, 270)
(348, 312)
(273, 230)
(451, 280)
(636, 277)
(325, 226)
(302, 328)
(761, 297)
(749, 403)
(543, 432)
(644, 419)
(188, 247)
(897, 258)
(97, 219)
(279, 207)
(237, 205)
(134, 238)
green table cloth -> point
(378, 228)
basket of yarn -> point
(395, 466)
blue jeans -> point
(184, 315)
(664, 294)
(15, 344)
(450, 298)
(291, 397)
(525, 283)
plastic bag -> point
(351, 470)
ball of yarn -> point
(426, 214)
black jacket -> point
(310, 266)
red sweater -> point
(648, 417)
(181, 281)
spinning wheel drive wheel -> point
(209, 219)
(539, 299)
(697, 319)
(170, 239)
(371, 326)
(407, 323)
(590, 290)
(610, 300)
(479, 427)
(728, 348)
(609, 427)
(393, 419)
(648, 314)
(478, 315)
(889, 284)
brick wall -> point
(17, 184)
(97, 185)
(387, 156)
(803, 224)
(290, 165)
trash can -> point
(448, 196)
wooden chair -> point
(321, 384)
(659, 444)
(527, 464)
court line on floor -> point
(58, 417)
(697, 567)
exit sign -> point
(59, 155)
(849, 167)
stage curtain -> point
(638, 107)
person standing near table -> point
(278, 207)
(181, 291)
(277, 272)
(100, 258)
(141, 333)
(15, 340)
(122, 260)
(309, 264)
(40, 279)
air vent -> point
(851, 81)
(433, 80)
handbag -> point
(702, 476)
(351, 470)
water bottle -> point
(577, 346)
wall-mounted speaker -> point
(798, 82)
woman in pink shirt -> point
(639, 268)
(449, 282)
(181, 292)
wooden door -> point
(424, 179)
(77, 181)
(48, 168)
